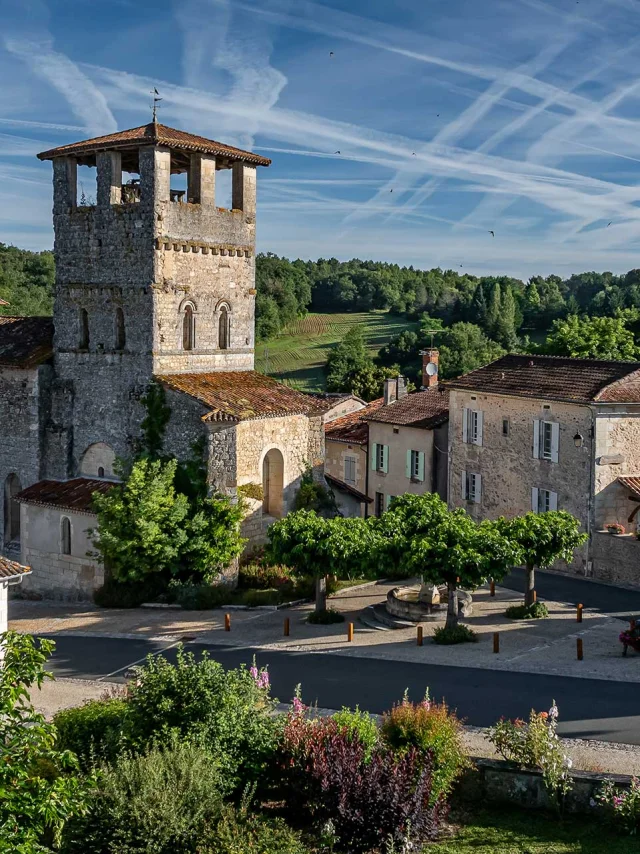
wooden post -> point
(492, 588)
(350, 633)
(419, 636)
(579, 649)
(535, 596)
(496, 642)
(286, 627)
(227, 622)
(579, 614)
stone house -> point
(407, 443)
(547, 432)
(152, 283)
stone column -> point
(65, 184)
(155, 175)
(109, 165)
(244, 189)
(202, 179)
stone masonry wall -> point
(615, 559)
(336, 452)
(617, 453)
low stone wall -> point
(496, 781)
(615, 559)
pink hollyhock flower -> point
(297, 706)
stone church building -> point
(151, 283)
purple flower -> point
(297, 706)
(263, 680)
(254, 672)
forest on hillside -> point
(471, 319)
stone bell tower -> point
(150, 279)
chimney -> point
(402, 388)
(430, 360)
(390, 390)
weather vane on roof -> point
(156, 99)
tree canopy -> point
(593, 337)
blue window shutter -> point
(385, 459)
(374, 456)
(420, 465)
(408, 468)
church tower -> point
(150, 279)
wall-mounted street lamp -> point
(578, 440)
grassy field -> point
(298, 355)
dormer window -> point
(188, 328)
(224, 328)
(83, 337)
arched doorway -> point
(272, 482)
(11, 510)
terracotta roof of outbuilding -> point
(75, 494)
(556, 378)
(632, 483)
(425, 409)
(346, 487)
(10, 569)
(154, 134)
(351, 428)
(242, 395)
(25, 341)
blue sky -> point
(451, 118)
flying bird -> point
(492, 233)
(391, 190)
(413, 154)
(609, 223)
(330, 53)
(337, 152)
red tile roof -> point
(346, 487)
(242, 395)
(10, 569)
(632, 483)
(425, 409)
(556, 378)
(73, 494)
(351, 428)
(154, 134)
(25, 342)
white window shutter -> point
(464, 486)
(374, 456)
(555, 442)
(465, 425)
(408, 468)
(553, 501)
(477, 492)
(534, 499)
(385, 458)
(536, 439)
(421, 465)
(479, 429)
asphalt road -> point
(589, 708)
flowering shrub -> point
(361, 726)
(622, 806)
(615, 528)
(433, 730)
(536, 611)
(326, 775)
(535, 745)
(262, 576)
(457, 634)
(630, 637)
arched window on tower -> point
(65, 536)
(188, 328)
(120, 330)
(224, 328)
(83, 337)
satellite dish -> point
(432, 369)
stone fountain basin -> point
(405, 603)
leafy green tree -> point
(479, 308)
(505, 326)
(40, 786)
(315, 547)
(421, 536)
(493, 308)
(592, 337)
(464, 347)
(542, 539)
(26, 281)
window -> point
(120, 332)
(379, 504)
(188, 328)
(546, 436)
(83, 336)
(543, 500)
(350, 469)
(65, 536)
(415, 465)
(380, 458)
(100, 471)
(505, 426)
(224, 328)
(472, 426)
(471, 487)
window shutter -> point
(477, 492)
(479, 431)
(420, 465)
(465, 425)
(374, 456)
(408, 468)
(385, 458)
(464, 486)
(387, 499)
(553, 501)
(536, 439)
(555, 442)
(534, 499)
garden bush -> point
(457, 634)
(199, 597)
(326, 777)
(359, 725)
(242, 832)
(536, 611)
(325, 618)
(254, 598)
(129, 594)
(163, 801)
(228, 710)
(94, 731)
(621, 806)
(434, 730)
(262, 576)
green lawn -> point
(503, 831)
(298, 355)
